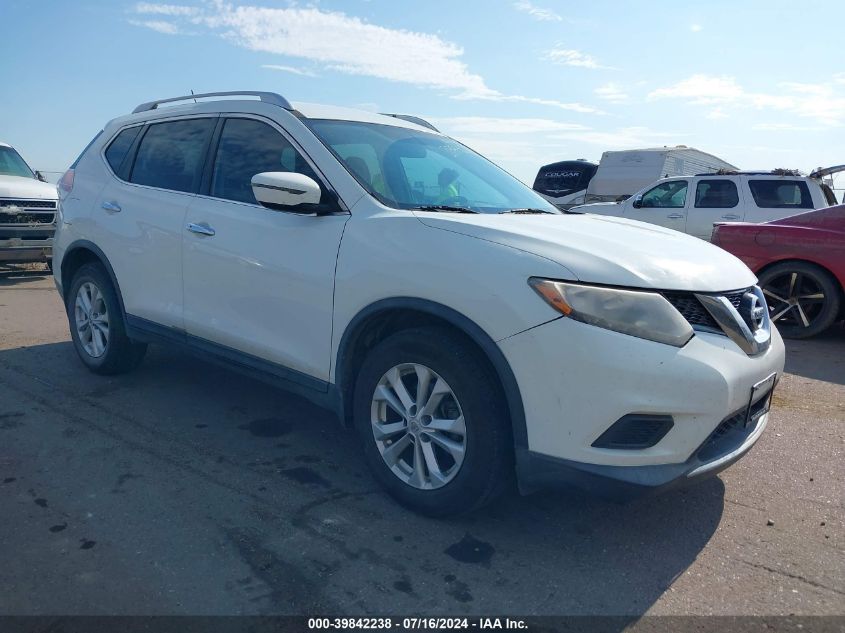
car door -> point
(773, 198)
(256, 280)
(664, 205)
(140, 215)
(715, 200)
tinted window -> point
(248, 147)
(716, 194)
(171, 154)
(667, 195)
(119, 147)
(781, 194)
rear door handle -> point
(730, 216)
(675, 216)
(202, 229)
(111, 206)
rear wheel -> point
(96, 324)
(433, 423)
(803, 299)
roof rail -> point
(410, 118)
(739, 172)
(267, 97)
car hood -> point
(20, 187)
(607, 250)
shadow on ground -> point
(820, 358)
(556, 552)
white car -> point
(27, 210)
(693, 205)
(465, 327)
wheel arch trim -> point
(82, 244)
(464, 324)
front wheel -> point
(433, 422)
(96, 324)
(803, 299)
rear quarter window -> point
(118, 149)
(781, 194)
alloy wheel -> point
(418, 426)
(92, 319)
(795, 299)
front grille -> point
(697, 315)
(28, 204)
(731, 433)
(27, 218)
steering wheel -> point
(455, 201)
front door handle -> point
(202, 229)
(675, 216)
(730, 216)
(111, 206)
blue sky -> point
(760, 84)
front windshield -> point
(410, 169)
(11, 163)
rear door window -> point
(781, 194)
(118, 149)
(171, 154)
(716, 194)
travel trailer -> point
(620, 174)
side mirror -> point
(40, 176)
(638, 202)
(286, 191)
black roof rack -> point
(738, 172)
(267, 97)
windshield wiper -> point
(444, 207)
(526, 211)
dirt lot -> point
(187, 489)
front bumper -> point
(26, 251)
(576, 380)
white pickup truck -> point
(27, 211)
(694, 204)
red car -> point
(800, 262)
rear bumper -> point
(625, 483)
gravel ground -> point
(184, 488)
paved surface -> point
(187, 489)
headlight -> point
(639, 313)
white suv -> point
(694, 204)
(466, 328)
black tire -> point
(487, 465)
(793, 280)
(120, 354)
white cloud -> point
(783, 127)
(149, 8)
(612, 92)
(350, 45)
(572, 57)
(538, 13)
(819, 101)
(695, 28)
(159, 26)
(625, 138)
(289, 69)
(495, 125)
